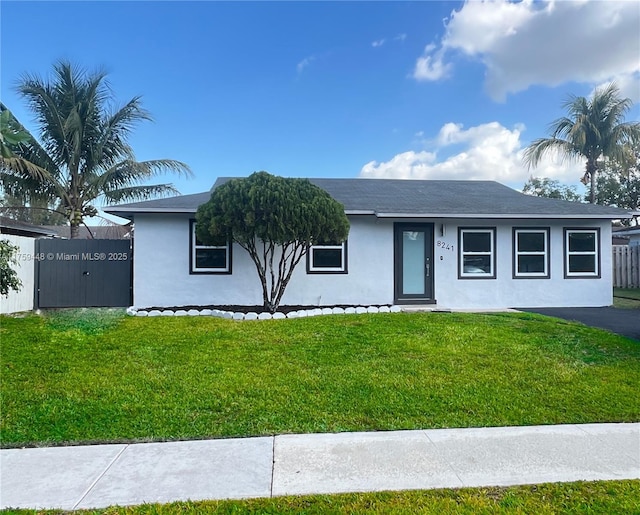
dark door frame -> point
(398, 296)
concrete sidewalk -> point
(102, 475)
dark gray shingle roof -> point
(420, 198)
(19, 228)
(97, 232)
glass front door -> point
(413, 263)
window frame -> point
(492, 253)
(193, 270)
(597, 253)
(546, 253)
(343, 269)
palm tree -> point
(24, 197)
(593, 129)
(83, 154)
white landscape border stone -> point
(230, 315)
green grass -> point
(606, 497)
(98, 376)
(626, 298)
(631, 293)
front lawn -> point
(97, 376)
(581, 497)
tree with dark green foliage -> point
(82, 153)
(8, 276)
(593, 129)
(550, 188)
(36, 210)
(619, 183)
(274, 219)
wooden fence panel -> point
(626, 266)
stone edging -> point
(230, 315)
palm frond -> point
(49, 119)
(138, 193)
(129, 172)
(23, 168)
(543, 147)
(111, 145)
(26, 159)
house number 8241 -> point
(444, 245)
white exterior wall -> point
(23, 299)
(504, 290)
(161, 269)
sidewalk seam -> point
(448, 462)
(273, 465)
(92, 485)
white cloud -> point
(549, 42)
(304, 63)
(379, 42)
(629, 84)
(431, 66)
(489, 152)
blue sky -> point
(336, 89)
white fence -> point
(22, 300)
(626, 266)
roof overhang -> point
(501, 216)
(18, 228)
(631, 231)
(132, 211)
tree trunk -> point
(592, 170)
(75, 231)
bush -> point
(8, 276)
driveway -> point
(621, 321)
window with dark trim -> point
(327, 259)
(207, 259)
(531, 253)
(477, 257)
(581, 253)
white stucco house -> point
(452, 244)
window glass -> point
(528, 264)
(208, 259)
(476, 264)
(582, 253)
(327, 258)
(530, 253)
(531, 241)
(582, 263)
(477, 253)
(582, 242)
(211, 258)
(477, 242)
(413, 263)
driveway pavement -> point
(622, 321)
(98, 476)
